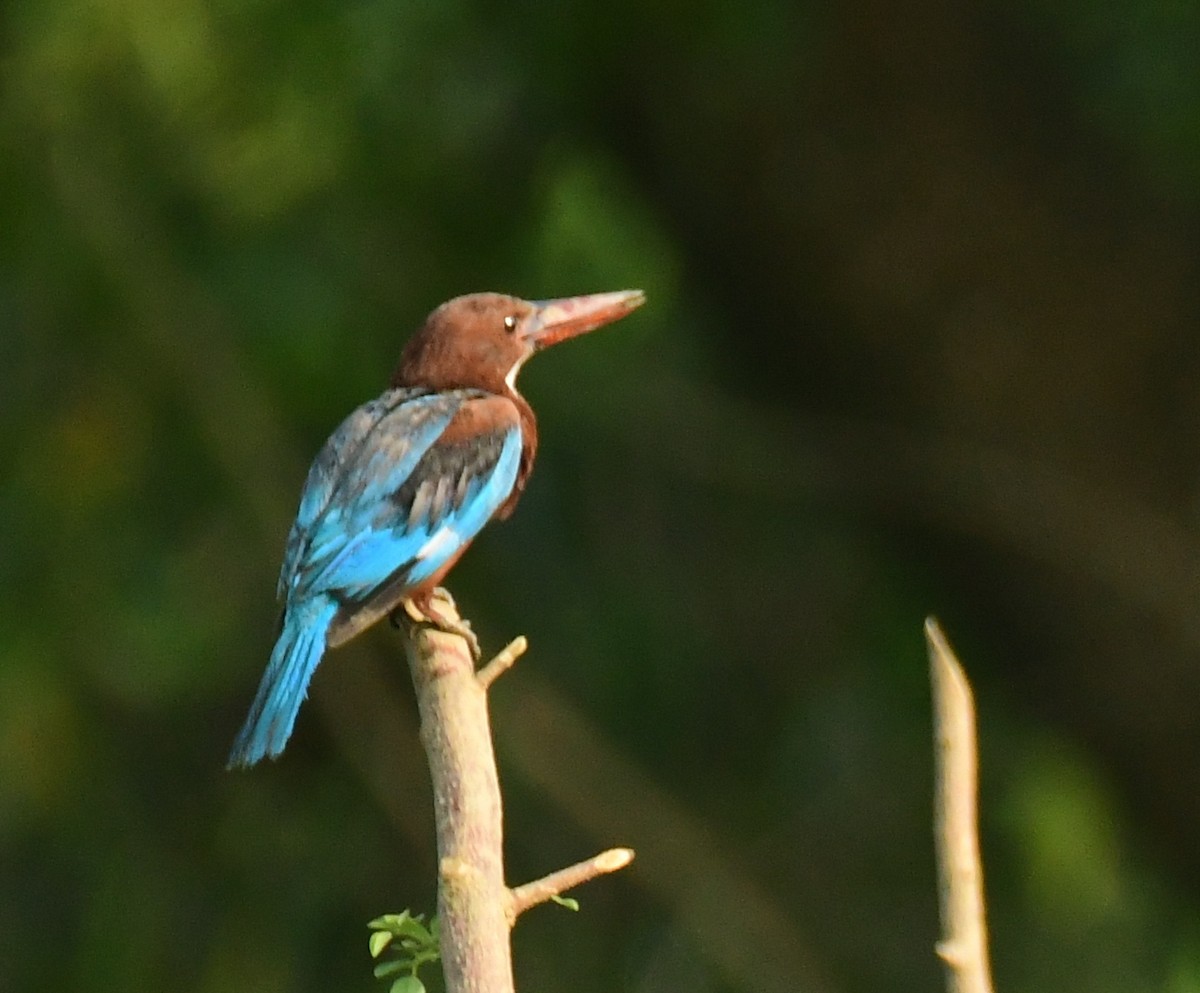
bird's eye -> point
(510, 323)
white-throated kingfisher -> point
(405, 484)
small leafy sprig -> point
(409, 944)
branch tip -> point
(963, 947)
(935, 637)
(613, 859)
(502, 662)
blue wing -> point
(372, 450)
(393, 497)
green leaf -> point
(390, 922)
(390, 968)
(566, 901)
(414, 929)
(410, 944)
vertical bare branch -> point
(475, 908)
(455, 730)
(964, 933)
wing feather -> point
(398, 491)
(375, 446)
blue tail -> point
(285, 683)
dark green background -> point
(921, 338)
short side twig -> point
(963, 947)
(503, 661)
(521, 898)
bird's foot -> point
(437, 609)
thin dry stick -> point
(456, 733)
(964, 933)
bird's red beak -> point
(556, 320)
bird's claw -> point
(428, 611)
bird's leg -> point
(450, 624)
(423, 608)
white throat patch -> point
(511, 379)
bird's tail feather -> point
(285, 683)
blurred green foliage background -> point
(923, 285)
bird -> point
(406, 482)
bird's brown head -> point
(483, 339)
